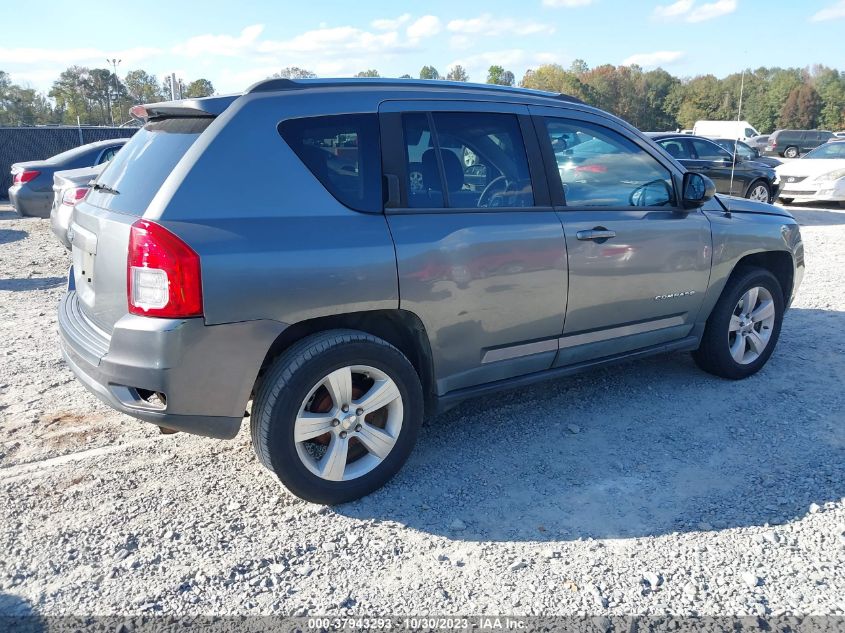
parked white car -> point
(818, 176)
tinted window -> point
(343, 154)
(607, 169)
(705, 150)
(749, 132)
(677, 148)
(424, 182)
(107, 155)
(145, 162)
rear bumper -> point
(29, 202)
(206, 373)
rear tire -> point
(300, 430)
(791, 152)
(739, 338)
(786, 200)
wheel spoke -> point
(735, 323)
(310, 425)
(333, 463)
(764, 311)
(382, 393)
(339, 384)
(749, 300)
(375, 440)
(738, 348)
(756, 342)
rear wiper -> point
(98, 186)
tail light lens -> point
(72, 196)
(163, 274)
(25, 176)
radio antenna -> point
(736, 140)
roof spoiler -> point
(203, 107)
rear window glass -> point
(342, 151)
(142, 165)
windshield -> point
(139, 169)
(828, 150)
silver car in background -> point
(69, 187)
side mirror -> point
(656, 193)
(698, 189)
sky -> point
(234, 44)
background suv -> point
(403, 245)
(793, 143)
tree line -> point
(90, 96)
(772, 98)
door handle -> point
(598, 234)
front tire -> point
(744, 327)
(337, 415)
(759, 191)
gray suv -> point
(341, 257)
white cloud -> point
(391, 24)
(225, 45)
(651, 60)
(833, 12)
(567, 4)
(426, 26)
(689, 11)
(712, 10)
(673, 10)
(486, 24)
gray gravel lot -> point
(645, 488)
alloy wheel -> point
(348, 423)
(751, 324)
(759, 193)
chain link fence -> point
(19, 144)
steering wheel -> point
(500, 182)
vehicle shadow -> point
(31, 283)
(8, 213)
(7, 236)
(16, 614)
(817, 216)
(638, 449)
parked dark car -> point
(742, 177)
(793, 143)
(31, 192)
(746, 152)
(345, 300)
(758, 142)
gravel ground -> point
(647, 488)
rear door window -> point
(342, 151)
(138, 171)
(705, 150)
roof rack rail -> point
(280, 84)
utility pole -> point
(114, 62)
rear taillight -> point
(25, 176)
(773, 143)
(163, 274)
(72, 196)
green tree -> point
(294, 72)
(457, 73)
(199, 88)
(368, 73)
(498, 75)
(429, 72)
(141, 87)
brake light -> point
(163, 274)
(25, 176)
(72, 196)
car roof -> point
(393, 88)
